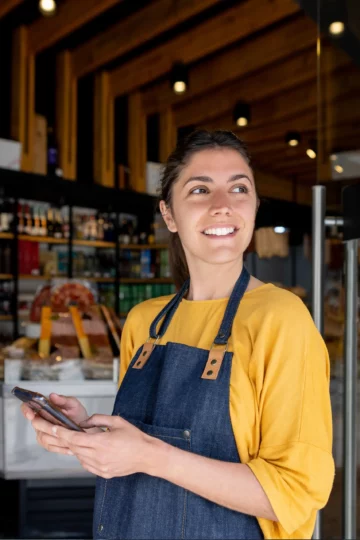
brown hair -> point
(178, 159)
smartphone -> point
(44, 408)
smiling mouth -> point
(228, 232)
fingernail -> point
(54, 430)
(70, 453)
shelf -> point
(6, 236)
(146, 280)
(123, 315)
(97, 279)
(43, 239)
(94, 243)
(31, 276)
(5, 276)
(6, 317)
(144, 246)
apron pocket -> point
(123, 505)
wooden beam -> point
(8, 5)
(70, 16)
(23, 96)
(200, 41)
(134, 31)
(66, 115)
(277, 78)
(137, 143)
(244, 58)
(168, 134)
(294, 102)
(104, 112)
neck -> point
(209, 282)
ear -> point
(167, 216)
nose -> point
(220, 205)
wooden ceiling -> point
(262, 52)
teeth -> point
(220, 232)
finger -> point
(65, 402)
(74, 438)
(94, 469)
(27, 411)
(40, 424)
(60, 450)
(83, 453)
(47, 440)
(103, 420)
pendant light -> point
(337, 28)
(293, 138)
(311, 150)
(47, 7)
(241, 114)
(179, 78)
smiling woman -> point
(221, 427)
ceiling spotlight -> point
(241, 114)
(311, 150)
(339, 169)
(47, 7)
(336, 28)
(293, 138)
(280, 229)
(333, 157)
(179, 78)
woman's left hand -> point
(119, 451)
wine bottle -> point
(50, 223)
(58, 225)
(20, 223)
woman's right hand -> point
(69, 406)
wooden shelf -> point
(43, 239)
(6, 236)
(5, 276)
(144, 246)
(97, 279)
(147, 280)
(94, 243)
(6, 317)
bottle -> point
(52, 153)
(21, 222)
(126, 233)
(151, 235)
(36, 229)
(58, 233)
(135, 235)
(28, 221)
(50, 223)
(4, 219)
(43, 223)
(100, 227)
(66, 227)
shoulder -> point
(273, 300)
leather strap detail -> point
(144, 356)
(213, 364)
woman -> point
(222, 424)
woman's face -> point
(213, 206)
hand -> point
(119, 451)
(69, 406)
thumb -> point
(102, 420)
(62, 401)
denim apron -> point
(178, 394)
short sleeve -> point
(294, 464)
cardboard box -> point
(40, 145)
(10, 154)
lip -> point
(220, 226)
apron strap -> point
(232, 307)
(168, 312)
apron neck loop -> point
(232, 307)
(168, 312)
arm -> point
(232, 485)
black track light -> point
(293, 138)
(242, 114)
(179, 78)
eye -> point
(199, 191)
(240, 189)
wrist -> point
(156, 455)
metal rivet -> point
(210, 372)
(186, 434)
(138, 363)
(101, 527)
(144, 353)
(213, 362)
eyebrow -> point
(208, 179)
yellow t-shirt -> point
(279, 394)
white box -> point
(153, 175)
(10, 154)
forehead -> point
(216, 161)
